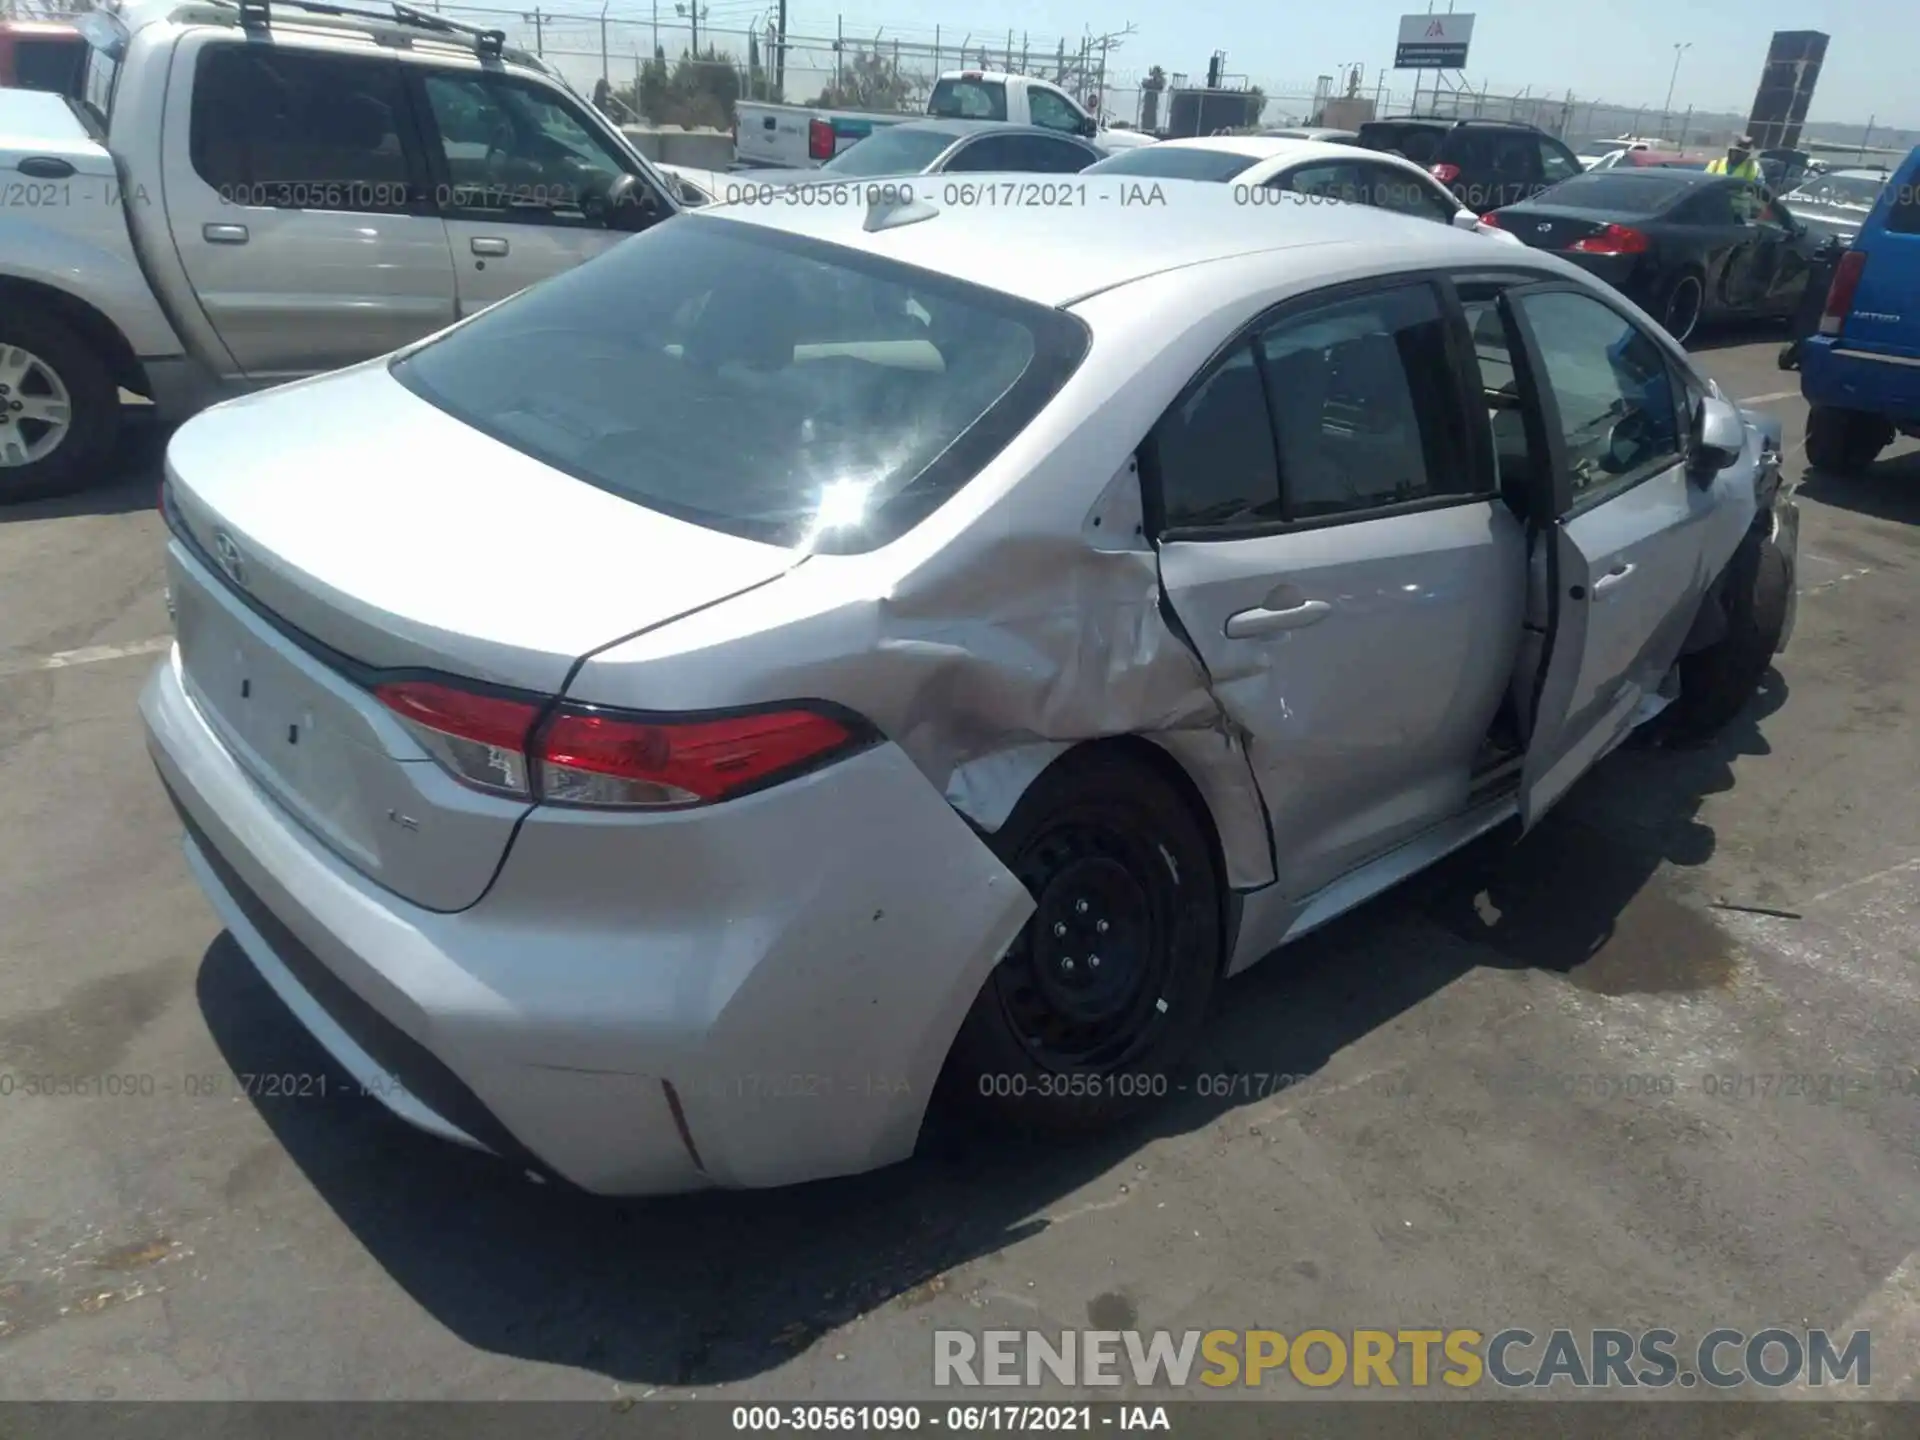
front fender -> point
(98, 269)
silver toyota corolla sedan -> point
(659, 727)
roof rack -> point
(1459, 120)
(258, 15)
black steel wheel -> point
(1107, 986)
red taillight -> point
(593, 758)
(1492, 217)
(1446, 174)
(819, 140)
(583, 756)
(1846, 280)
(481, 739)
(1613, 240)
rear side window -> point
(767, 385)
(1365, 405)
(299, 130)
(1342, 409)
(968, 100)
(1419, 143)
(1903, 215)
(40, 63)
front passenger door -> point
(522, 177)
(1624, 569)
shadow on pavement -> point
(1888, 490)
(1731, 334)
(134, 482)
(721, 1286)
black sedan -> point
(1683, 245)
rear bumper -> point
(1869, 381)
(760, 994)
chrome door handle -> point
(224, 234)
(1611, 581)
(489, 245)
(1247, 624)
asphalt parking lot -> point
(1696, 928)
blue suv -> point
(1860, 371)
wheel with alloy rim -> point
(1681, 312)
(1107, 986)
(59, 407)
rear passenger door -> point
(299, 203)
(1620, 528)
(1330, 543)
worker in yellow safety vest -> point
(1738, 162)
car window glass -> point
(1712, 207)
(298, 130)
(1903, 215)
(1611, 385)
(890, 150)
(791, 389)
(968, 100)
(515, 148)
(1043, 154)
(1051, 110)
(1327, 180)
(1516, 462)
(1390, 188)
(1513, 158)
(1421, 146)
(1214, 450)
(1366, 411)
(1555, 163)
(1747, 203)
(992, 152)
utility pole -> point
(780, 58)
(538, 18)
(1666, 110)
(604, 76)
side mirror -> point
(1089, 127)
(629, 205)
(1719, 438)
(1465, 220)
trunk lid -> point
(1554, 227)
(342, 526)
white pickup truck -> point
(799, 137)
(243, 195)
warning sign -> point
(1433, 42)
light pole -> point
(1666, 110)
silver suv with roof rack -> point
(243, 194)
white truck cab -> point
(244, 194)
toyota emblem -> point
(230, 558)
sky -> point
(1621, 52)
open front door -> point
(1617, 527)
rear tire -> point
(62, 408)
(1716, 683)
(1107, 987)
(1680, 305)
(1845, 442)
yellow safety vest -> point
(1748, 169)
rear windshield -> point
(771, 386)
(1621, 192)
(1174, 162)
(892, 151)
(44, 63)
(1419, 143)
(968, 100)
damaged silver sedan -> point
(658, 728)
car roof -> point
(1262, 147)
(1060, 255)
